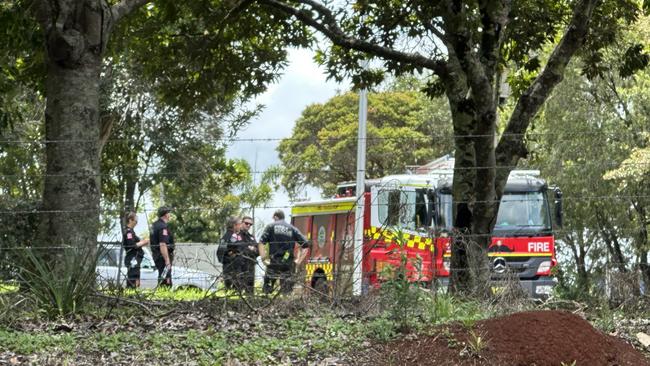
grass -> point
(180, 294)
(297, 338)
(304, 335)
(476, 343)
(29, 343)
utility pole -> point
(254, 203)
(361, 188)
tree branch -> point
(328, 26)
(125, 7)
(461, 41)
(511, 147)
(494, 18)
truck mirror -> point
(432, 219)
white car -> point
(107, 269)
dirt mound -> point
(537, 338)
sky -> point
(303, 83)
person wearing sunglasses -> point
(250, 253)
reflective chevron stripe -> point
(411, 241)
(311, 268)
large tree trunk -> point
(76, 32)
(71, 195)
(470, 87)
(464, 175)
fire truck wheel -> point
(319, 283)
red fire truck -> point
(418, 208)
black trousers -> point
(132, 263)
(227, 272)
(160, 266)
(239, 273)
(282, 272)
(132, 276)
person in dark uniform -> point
(134, 253)
(281, 238)
(162, 246)
(250, 252)
(230, 238)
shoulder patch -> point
(129, 235)
(165, 232)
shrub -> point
(58, 281)
(401, 297)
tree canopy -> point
(469, 48)
(194, 62)
(404, 129)
(587, 140)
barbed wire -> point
(627, 198)
(428, 137)
(348, 243)
(207, 171)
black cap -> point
(162, 211)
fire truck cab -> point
(413, 214)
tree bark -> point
(456, 89)
(72, 184)
(473, 104)
(76, 34)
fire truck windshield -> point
(523, 210)
(527, 211)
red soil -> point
(540, 338)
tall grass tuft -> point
(59, 281)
